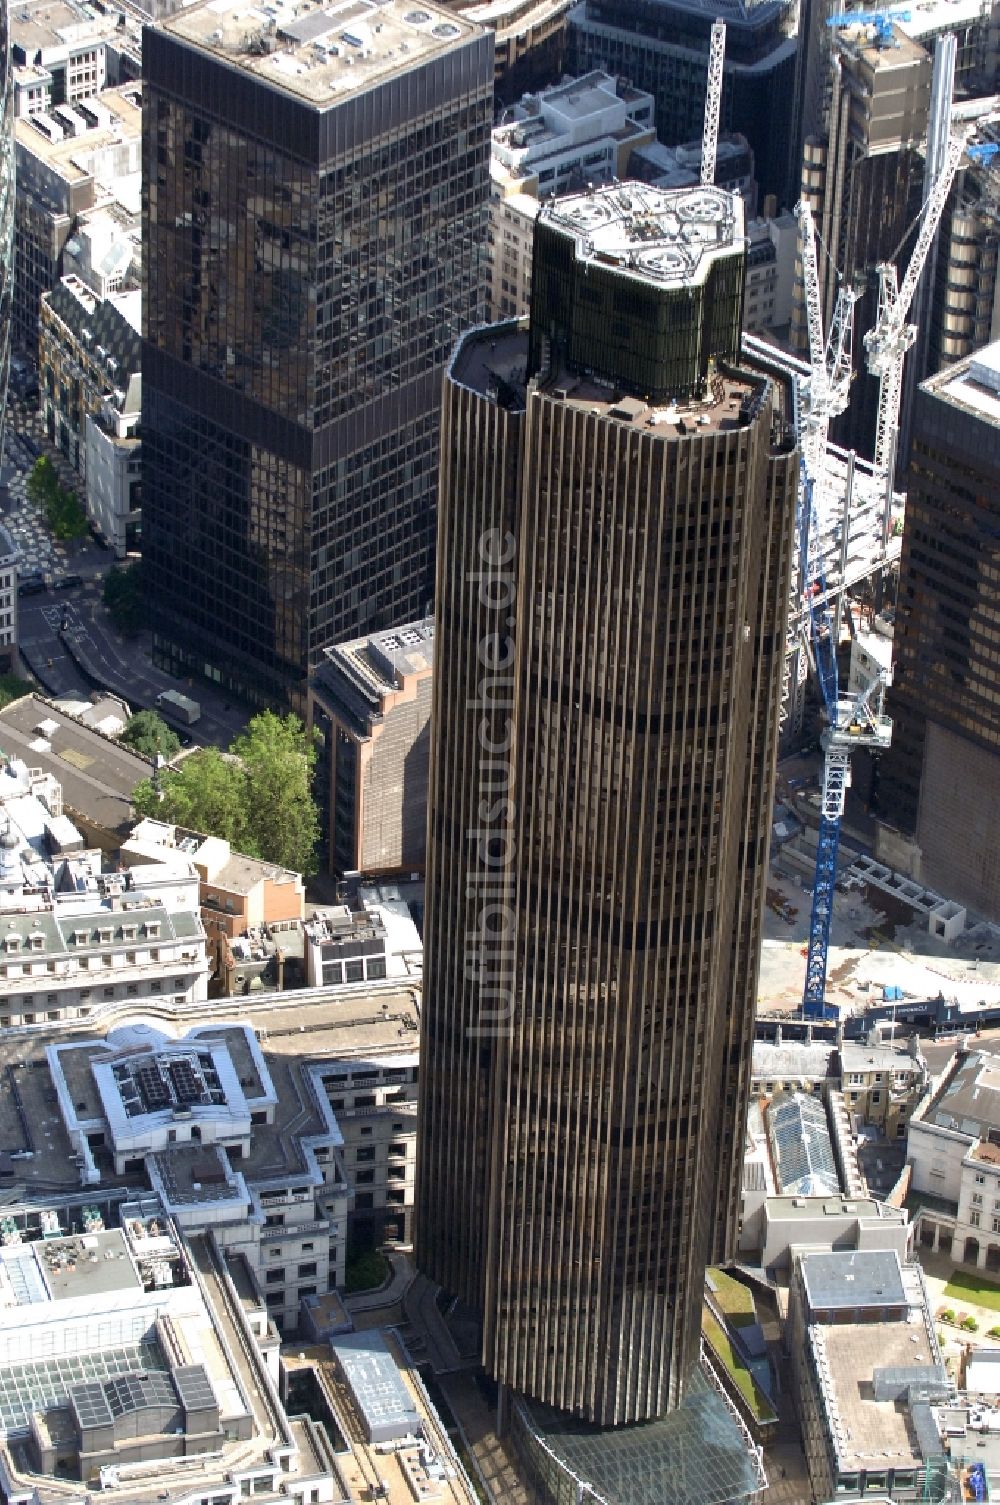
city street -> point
(66, 637)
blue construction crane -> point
(824, 656)
(881, 20)
(853, 723)
(856, 722)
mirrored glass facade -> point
(308, 268)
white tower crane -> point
(856, 722)
(887, 342)
(829, 384)
(713, 101)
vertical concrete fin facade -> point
(583, 1099)
(6, 208)
(478, 501)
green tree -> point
(259, 797)
(124, 596)
(65, 517)
(42, 485)
(12, 688)
(278, 757)
(150, 736)
(206, 794)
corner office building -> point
(316, 182)
(615, 526)
(940, 781)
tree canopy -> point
(259, 798)
(124, 597)
(64, 516)
(12, 687)
(150, 736)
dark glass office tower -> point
(615, 523)
(315, 198)
(662, 46)
(939, 784)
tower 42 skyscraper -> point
(315, 181)
(616, 514)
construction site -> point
(842, 925)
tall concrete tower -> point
(615, 523)
(6, 207)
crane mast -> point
(857, 722)
(887, 342)
(713, 102)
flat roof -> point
(376, 1386)
(371, 667)
(86, 1264)
(869, 1433)
(855, 1057)
(972, 384)
(811, 1207)
(321, 53)
(862, 41)
(670, 237)
(75, 158)
(194, 1175)
(296, 1030)
(38, 24)
(791, 1058)
(849, 1278)
(97, 775)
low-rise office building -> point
(238, 893)
(866, 1365)
(76, 940)
(284, 1128)
(66, 167)
(89, 368)
(95, 774)
(373, 939)
(881, 1085)
(953, 1147)
(370, 702)
(141, 1362)
(125, 1366)
(9, 558)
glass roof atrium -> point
(40, 1384)
(801, 1146)
(697, 1455)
